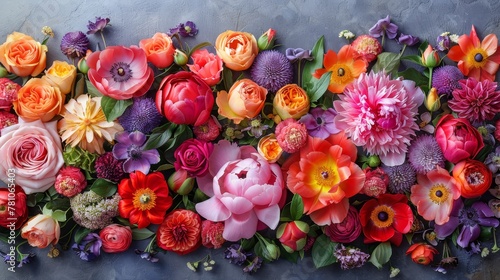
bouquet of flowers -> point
(239, 145)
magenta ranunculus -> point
(348, 230)
(246, 189)
(192, 156)
(184, 98)
(120, 72)
(458, 139)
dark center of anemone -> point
(134, 152)
(324, 174)
(383, 216)
(319, 121)
(341, 72)
(478, 57)
(468, 216)
(439, 193)
(121, 72)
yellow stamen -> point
(439, 194)
(144, 199)
(471, 58)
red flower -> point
(145, 198)
(180, 232)
(13, 198)
(385, 218)
(421, 253)
(473, 176)
(211, 234)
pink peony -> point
(70, 181)
(379, 114)
(207, 66)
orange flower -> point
(237, 49)
(22, 55)
(291, 101)
(62, 75)
(421, 253)
(345, 67)
(477, 59)
(38, 100)
(473, 177)
(269, 148)
(159, 50)
(180, 232)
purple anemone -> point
(130, 147)
(319, 123)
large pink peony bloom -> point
(120, 72)
(246, 189)
(380, 114)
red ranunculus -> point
(180, 232)
(13, 210)
(348, 230)
(192, 155)
(473, 176)
(115, 238)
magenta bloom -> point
(384, 26)
(319, 122)
(379, 114)
(192, 156)
(130, 147)
(120, 72)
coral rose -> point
(244, 100)
(41, 230)
(180, 232)
(38, 100)
(473, 177)
(62, 75)
(206, 65)
(237, 49)
(22, 55)
(159, 50)
(13, 209)
(115, 238)
(291, 101)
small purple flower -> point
(298, 54)
(147, 255)
(319, 123)
(187, 29)
(74, 44)
(98, 25)
(425, 154)
(408, 40)
(443, 42)
(350, 257)
(142, 115)
(89, 248)
(235, 254)
(384, 26)
(130, 147)
(254, 265)
(272, 70)
(26, 259)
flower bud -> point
(430, 58)
(180, 58)
(266, 40)
(373, 161)
(180, 183)
(432, 101)
(293, 235)
(273, 250)
(3, 72)
(82, 63)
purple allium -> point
(402, 177)
(445, 79)
(319, 123)
(98, 25)
(408, 40)
(74, 44)
(130, 147)
(350, 257)
(147, 255)
(109, 168)
(89, 248)
(142, 115)
(298, 54)
(187, 29)
(384, 26)
(469, 219)
(425, 154)
(272, 70)
(235, 254)
(253, 266)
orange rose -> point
(38, 100)
(291, 101)
(269, 148)
(473, 176)
(245, 100)
(22, 55)
(421, 253)
(237, 49)
(62, 75)
(159, 50)
(41, 230)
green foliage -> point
(113, 108)
(296, 207)
(141, 233)
(322, 251)
(381, 255)
(317, 53)
(104, 187)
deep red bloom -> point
(180, 232)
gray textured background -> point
(298, 24)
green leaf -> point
(80, 233)
(188, 204)
(322, 251)
(227, 77)
(181, 134)
(387, 62)
(59, 215)
(486, 233)
(296, 207)
(159, 138)
(199, 46)
(113, 108)
(92, 90)
(291, 257)
(416, 76)
(59, 204)
(123, 221)
(79, 87)
(381, 255)
(319, 87)
(317, 53)
(141, 233)
(165, 167)
(104, 187)
(413, 58)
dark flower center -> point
(121, 72)
(324, 174)
(478, 57)
(319, 121)
(383, 216)
(468, 216)
(242, 174)
(439, 193)
(179, 233)
(341, 72)
(135, 152)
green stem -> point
(383, 39)
(103, 40)
(495, 248)
(148, 248)
(19, 254)
(430, 77)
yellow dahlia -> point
(84, 124)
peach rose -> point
(244, 100)
(115, 238)
(62, 75)
(269, 148)
(159, 50)
(237, 49)
(41, 230)
(38, 100)
(22, 55)
(207, 66)
(291, 101)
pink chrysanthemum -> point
(379, 114)
(476, 100)
(291, 135)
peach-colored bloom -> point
(62, 75)
(269, 148)
(38, 100)
(422, 253)
(291, 101)
(22, 55)
(237, 49)
(41, 230)
(206, 65)
(159, 50)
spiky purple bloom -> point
(408, 40)
(470, 218)
(98, 25)
(89, 248)
(272, 70)
(425, 154)
(384, 26)
(130, 147)
(319, 123)
(445, 79)
(109, 168)
(350, 257)
(298, 54)
(74, 44)
(402, 177)
(187, 29)
(142, 115)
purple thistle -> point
(350, 257)
(74, 44)
(89, 248)
(142, 115)
(272, 70)
(130, 147)
(445, 79)
(425, 154)
(319, 123)
(109, 168)
(384, 26)
(298, 54)
(408, 40)
(401, 177)
(187, 29)
(98, 25)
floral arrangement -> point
(267, 154)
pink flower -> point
(120, 72)
(208, 131)
(211, 234)
(291, 135)
(434, 195)
(8, 93)
(346, 231)
(7, 119)
(379, 114)
(192, 156)
(33, 150)
(70, 181)
(246, 189)
(207, 66)
(115, 238)
(41, 230)
(376, 182)
(293, 235)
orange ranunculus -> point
(291, 101)
(244, 100)
(159, 50)
(38, 100)
(237, 49)
(62, 75)
(473, 177)
(41, 230)
(269, 148)
(345, 67)
(22, 55)
(422, 253)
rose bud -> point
(13, 217)
(432, 101)
(421, 253)
(293, 235)
(180, 58)
(180, 183)
(266, 40)
(430, 58)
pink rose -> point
(41, 230)
(13, 209)
(184, 98)
(458, 139)
(8, 93)
(346, 231)
(33, 150)
(115, 238)
(192, 156)
(206, 65)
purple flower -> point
(272, 70)
(147, 255)
(142, 115)
(384, 26)
(26, 259)
(130, 147)
(74, 44)
(408, 40)
(445, 79)
(236, 255)
(298, 54)
(253, 266)
(350, 257)
(425, 154)
(402, 177)
(89, 248)
(319, 123)
(470, 218)
(98, 25)
(185, 30)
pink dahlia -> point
(476, 100)
(379, 114)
